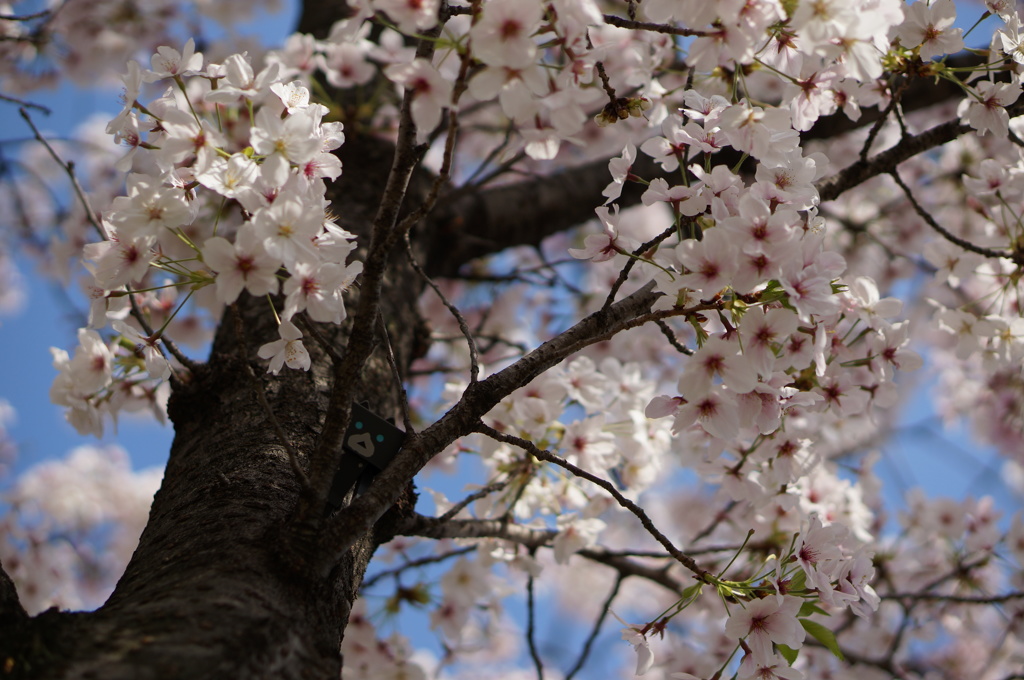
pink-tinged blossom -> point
(762, 622)
(684, 200)
(518, 90)
(92, 367)
(127, 134)
(810, 292)
(710, 263)
(763, 331)
(619, 168)
(952, 262)
(606, 245)
(467, 582)
(722, 187)
(286, 230)
(636, 635)
(293, 95)
(289, 350)
(792, 184)
(148, 347)
(132, 86)
(810, 96)
(1011, 39)
(504, 34)
(818, 553)
(993, 177)
(772, 668)
(587, 444)
(842, 395)
(721, 358)
(228, 176)
(668, 150)
(986, 111)
(170, 63)
(430, 92)
(967, 329)
(292, 140)
(244, 264)
(120, 261)
(762, 406)
(411, 16)
(863, 295)
(706, 139)
(585, 384)
(854, 580)
(317, 289)
(663, 405)
(575, 534)
(721, 44)
(102, 306)
(241, 82)
(148, 208)
(889, 347)
(819, 24)
(766, 134)
(931, 27)
(345, 65)
(714, 410)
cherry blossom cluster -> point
(44, 42)
(227, 193)
(70, 526)
(369, 656)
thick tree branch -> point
(361, 340)
(477, 400)
(908, 147)
(481, 222)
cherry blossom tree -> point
(631, 265)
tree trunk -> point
(219, 585)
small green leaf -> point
(824, 636)
(798, 582)
(691, 591)
(809, 607)
(788, 653)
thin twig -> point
(648, 26)
(631, 262)
(956, 599)
(25, 104)
(877, 126)
(475, 496)
(706, 531)
(25, 17)
(605, 608)
(172, 348)
(261, 395)
(69, 169)
(1017, 258)
(324, 343)
(531, 640)
(645, 520)
(474, 352)
(412, 564)
(670, 335)
(403, 396)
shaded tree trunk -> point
(218, 586)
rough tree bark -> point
(233, 576)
